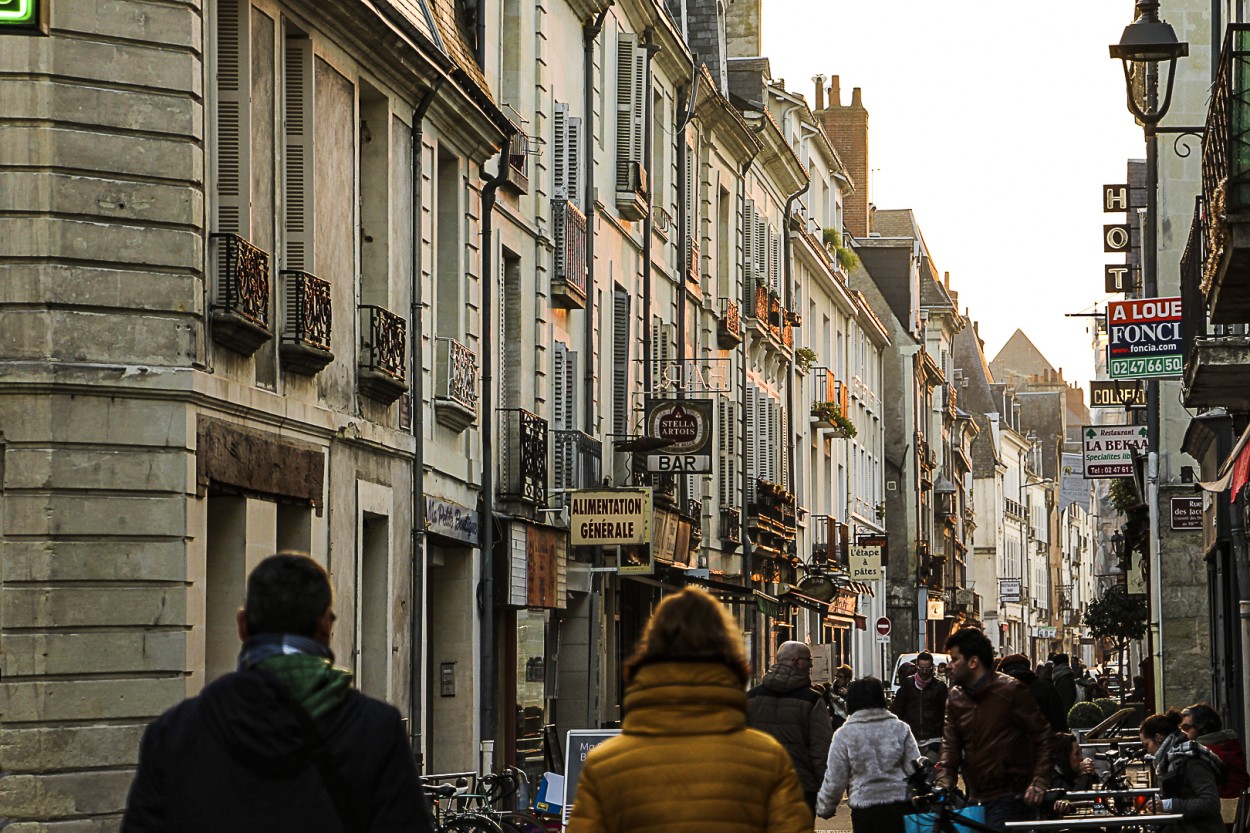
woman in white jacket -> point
(871, 756)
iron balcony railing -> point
(729, 327)
(822, 538)
(1193, 304)
(457, 374)
(578, 461)
(569, 283)
(307, 320)
(519, 159)
(731, 525)
(523, 461)
(694, 511)
(383, 342)
(242, 287)
(1226, 148)
(761, 303)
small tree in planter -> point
(1118, 616)
(804, 358)
(845, 255)
(829, 415)
(1084, 716)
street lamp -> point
(1147, 41)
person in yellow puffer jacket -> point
(685, 759)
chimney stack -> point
(820, 92)
(847, 129)
(835, 92)
(946, 280)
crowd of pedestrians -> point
(286, 742)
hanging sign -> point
(1116, 277)
(605, 517)
(1115, 198)
(1116, 237)
(1009, 590)
(1109, 450)
(1114, 393)
(686, 425)
(1144, 338)
(866, 563)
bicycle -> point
(448, 804)
(498, 788)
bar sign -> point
(1114, 198)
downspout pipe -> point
(787, 272)
(648, 222)
(590, 33)
(416, 573)
(748, 292)
(486, 600)
(683, 231)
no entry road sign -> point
(883, 626)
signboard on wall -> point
(686, 426)
(1115, 393)
(1144, 338)
(542, 552)
(1009, 590)
(866, 563)
(1187, 512)
(608, 517)
(1073, 487)
(1109, 450)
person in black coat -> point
(1065, 682)
(285, 743)
(1044, 693)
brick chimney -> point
(819, 81)
(847, 129)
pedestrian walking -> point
(920, 701)
(284, 743)
(842, 677)
(1064, 679)
(685, 759)
(1187, 773)
(1044, 694)
(995, 736)
(871, 756)
(787, 707)
(1202, 724)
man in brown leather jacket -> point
(995, 736)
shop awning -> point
(1234, 471)
(795, 597)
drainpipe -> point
(748, 293)
(590, 32)
(787, 271)
(416, 583)
(683, 235)
(648, 223)
(487, 598)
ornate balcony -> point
(577, 459)
(729, 327)
(523, 457)
(455, 392)
(240, 294)
(730, 528)
(823, 537)
(383, 345)
(1217, 356)
(772, 519)
(692, 260)
(306, 322)
(1225, 278)
(568, 285)
(518, 172)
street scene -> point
(538, 415)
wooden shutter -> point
(631, 69)
(234, 128)
(559, 151)
(761, 250)
(752, 427)
(297, 156)
(783, 433)
(748, 253)
(774, 260)
(692, 265)
(573, 160)
(727, 450)
(620, 362)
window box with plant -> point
(829, 416)
(804, 358)
(844, 255)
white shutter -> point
(573, 160)
(620, 362)
(752, 428)
(234, 129)
(628, 149)
(727, 448)
(748, 251)
(297, 194)
(774, 260)
(783, 447)
(691, 264)
(638, 83)
(559, 151)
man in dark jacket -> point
(788, 708)
(285, 743)
(995, 735)
(1044, 694)
(1065, 681)
(920, 701)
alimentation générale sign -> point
(609, 517)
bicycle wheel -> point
(521, 823)
(469, 824)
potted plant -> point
(804, 358)
(794, 319)
(1084, 716)
(844, 255)
(829, 415)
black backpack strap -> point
(331, 775)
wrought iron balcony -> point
(306, 322)
(730, 527)
(729, 327)
(1217, 356)
(383, 346)
(1225, 276)
(523, 457)
(761, 304)
(518, 173)
(240, 294)
(568, 285)
(694, 511)
(455, 394)
(578, 461)
(772, 518)
(821, 530)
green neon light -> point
(17, 12)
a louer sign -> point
(608, 517)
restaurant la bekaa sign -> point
(610, 517)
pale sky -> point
(996, 121)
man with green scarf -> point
(284, 743)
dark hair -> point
(287, 593)
(972, 643)
(690, 626)
(1017, 661)
(1060, 659)
(924, 655)
(1161, 724)
(1063, 754)
(866, 693)
(1204, 718)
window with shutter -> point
(234, 129)
(692, 264)
(559, 151)
(727, 450)
(620, 362)
(564, 413)
(631, 176)
(783, 455)
(774, 260)
(748, 248)
(761, 250)
(297, 153)
(573, 160)
(752, 427)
